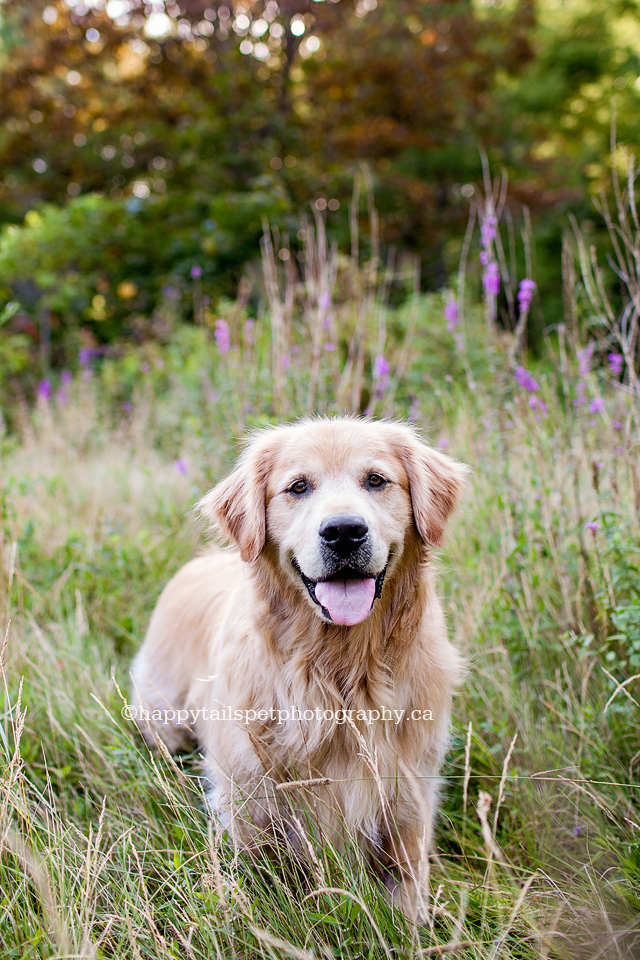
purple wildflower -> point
(525, 293)
(65, 378)
(488, 231)
(329, 346)
(576, 831)
(451, 315)
(213, 397)
(44, 391)
(286, 361)
(61, 397)
(170, 292)
(325, 301)
(249, 332)
(181, 466)
(196, 272)
(525, 380)
(616, 362)
(596, 405)
(295, 349)
(491, 279)
(380, 368)
(537, 404)
(84, 356)
(222, 336)
(593, 525)
(127, 405)
(443, 443)
(144, 368)
(584, 368)
(617, 425)
(584, 360)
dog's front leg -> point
(243, 800)
(408, 881)
(410, 823)
(408, 860)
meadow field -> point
(107, 849)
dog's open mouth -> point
(347, 596)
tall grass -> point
(107, 850)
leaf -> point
(8, 311)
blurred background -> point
(142, 146)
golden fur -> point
(238, 629)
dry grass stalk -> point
(503, 780)
(467, 767)
(448, 948)
(54, 912)
(277, 943)
(316, 866)
(301, 784)
(277, 320)
(499, 942)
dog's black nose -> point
(343, 533)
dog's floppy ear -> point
(435, 483)
(237, 505)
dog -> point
(313, 655)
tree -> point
(197, 119)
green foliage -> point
(618, 596)
(14, 348)
(100, 262)
(209, 113)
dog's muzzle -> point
(347, 596)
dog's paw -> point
(407, 897)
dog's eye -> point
(300, 486)
(376, 480)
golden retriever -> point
(315, 654)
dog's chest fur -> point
(339, 706)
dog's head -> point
(338, 500)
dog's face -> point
(338, 500)
(338, 510)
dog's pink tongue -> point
(348, 601)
